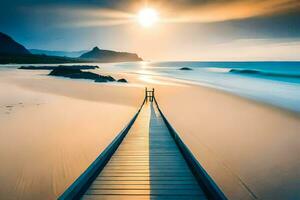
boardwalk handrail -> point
(149, 94)
(209, 186)
(76, 190)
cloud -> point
(80, 16)
(176, 11)
(253, 49)
(230, 10)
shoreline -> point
(171, 80)
(104, 70)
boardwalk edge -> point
(77, 188)
(209, 186)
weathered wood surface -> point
(147, 165)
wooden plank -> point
(170, 154)
(151, 164)
(142, 197)
(152, 174)
(149, 168)
(142, 170)
(128, 182)
(146, 192)
(150, 159)
(138, 153)
(144, 178)
(144, 187)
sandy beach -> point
(75, 77)
(50, 132)
(51, 129)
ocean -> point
(275, 83)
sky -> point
(208, 30)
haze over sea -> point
(275, 83)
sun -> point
(147, 17)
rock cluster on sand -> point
(74, 73)
(122, 80)
(185, 68)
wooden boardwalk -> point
(147, 160)
(147, 165)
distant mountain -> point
(12, 52)
(71, 54)
(11, 47)
(101, 55)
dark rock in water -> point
(83, 75)
(104, 79)
(102, 55)
(253, 72)
(110, 78)
(101, 80)
(244, 71)
(54, 67)
(185, 68)
(66, 71)
(122, 80)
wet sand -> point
(54, 128)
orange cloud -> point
(230, 10)
(177, 11)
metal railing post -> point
(146, 94)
